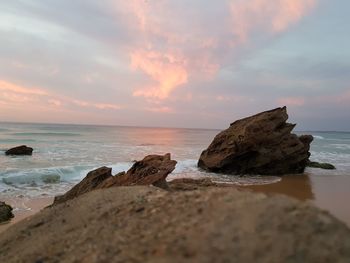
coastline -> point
(24, 208)
(311, 188)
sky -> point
(166, 63)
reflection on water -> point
(297, 186)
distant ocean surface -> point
(63, 154)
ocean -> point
(63, 154)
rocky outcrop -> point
(5, 212)
(92, 180)
(20, 150)
(260, 144)
(326, 166)
(148, 224)
(152, 170)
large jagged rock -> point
(152, 170)
(5, 212)
(92, 180)
(20, 150)
(260, 144)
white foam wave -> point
(318, 137)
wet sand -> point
(23, 208)
(328, 192)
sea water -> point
(64, 154)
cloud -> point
(173, 51)
(100, 106)
(13, 88)
(270, 16)
(291, 101)
(166, 69)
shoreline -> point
(309, 188)
(24, 208)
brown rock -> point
(89, 183)
(153, 169)
(260, 144)
(20, 150)
(190, 184)
(5, 212)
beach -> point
(64, 154)
(164, 209)
(206, 224)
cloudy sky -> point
(183, 63)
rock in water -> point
(326, 166)
(5, 212)
(153, 169)
(20, 150)
(260, 144)
(92, 180)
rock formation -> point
(5, 212)
(260, 144)
(152, 170)
(92, 180)
(20, 150)
(326, 166)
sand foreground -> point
(147, 224)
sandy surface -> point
(23, 208)
(146, 224)
(325, 191)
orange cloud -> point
(274, 16)
(170, 53)
(100, 106)
(291, 101)
(168, 70)
(160, 109)
(10, 87)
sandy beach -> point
(147, 224)
(24, 208)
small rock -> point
(20, 150)
(326, 166)
(5, 212)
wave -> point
(16, 140)
(39, 176)
(318, 137)
(68, 134)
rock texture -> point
(260, 144)
(5, 212)
(148, 224)
(20, 150)
(92, 180)
(152, 170)
(326, 166)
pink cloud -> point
(160, 109)
(171, 55)
(168, 70)
(11, 87)
(100, 106)
(271, 16)
(291, 101)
